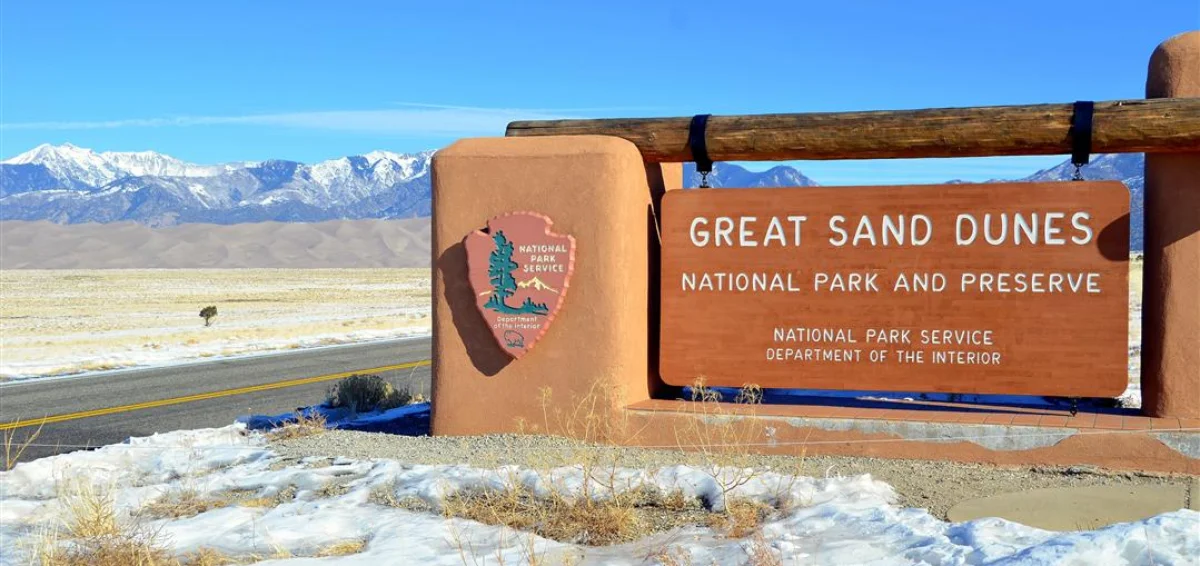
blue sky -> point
(222, 81)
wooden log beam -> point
(1120, 126)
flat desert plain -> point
(55, 322)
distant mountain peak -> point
(736, 176)
(67, 184)
(49, 152)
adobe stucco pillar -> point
(594, 188)
(1171, 304)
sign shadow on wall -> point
(1113, 240)
(486, 355)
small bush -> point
(367, 392)
(208, 313)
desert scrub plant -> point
(593, 426)
(366, 392)
(723, 438)
(208, 313)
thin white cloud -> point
(417, 120)
(601, 109)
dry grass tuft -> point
(249, 497)
(579, 521)
(260, 502)
(677, 501)
(184, 503)
(301, 425)
(759, 553)
(208, 557)
(385, 496)
(741, 517)
(93, 534)
(333, 489)
(671, 556)
(121, 550)
(285, 495)
(344, 548)
(14, 448)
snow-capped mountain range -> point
(731, 175)
(68, 184)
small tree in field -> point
(208, 313)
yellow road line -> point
(203, 396)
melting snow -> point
(846, 520)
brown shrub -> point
(366, 392)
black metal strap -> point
(697, 131)
(1081, 135)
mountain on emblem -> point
(536, 284)
(519, 270)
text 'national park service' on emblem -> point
(519, 270)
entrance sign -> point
(519, 271)
(1007, 288)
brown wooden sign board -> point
(1004, 288)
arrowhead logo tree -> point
(519, 270)
(500, 273)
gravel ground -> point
(936, 486)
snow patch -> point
(843, 520)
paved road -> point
(105, 408)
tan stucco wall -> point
(1171, 306)
(594, 188)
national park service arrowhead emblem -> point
(519, 270)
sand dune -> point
(128, 245)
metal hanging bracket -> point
(698, 143)
(1081, 136)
